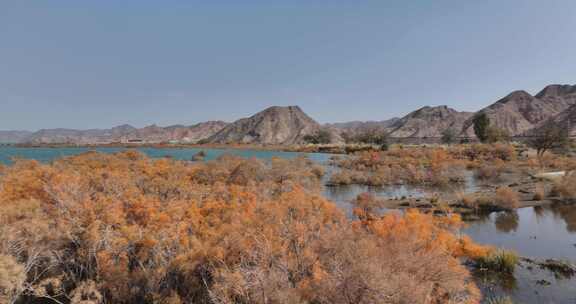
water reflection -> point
(566, 213)
(342, 195)
(541, 232)
(539, 212)
(496, 283)
(538, 232)
(506, 221)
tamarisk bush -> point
(123, 228)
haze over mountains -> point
(519, 113)
(14, 136)
(119, 134)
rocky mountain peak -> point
(429, 122)
(556, 90)
(519, 112)
(274, 125)
(519, 95)
(440, 111)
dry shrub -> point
(485, 202)
(342, 177)
(539, 192)
(12, 278)
(86, 293)
(124, 228)
(485, 152)
(552, 161)
(415, 166)
(565, 187)
(366, 264)
(506, 198)
(491, 171)
(367, 205)
(468, 200)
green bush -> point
(502, 261)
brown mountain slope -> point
(14, 136)
(275, 125)
(566, 120)
(560, 97)
(353, 126)
(196, 132)
(520, 112)
(429, 122)
(126, 133)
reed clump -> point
(501, 261)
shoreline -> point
(325, 149)
(437, 199)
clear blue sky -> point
(89, 64)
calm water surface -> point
(535, 232)
(539, 232)
(7, 153)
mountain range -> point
(119, 134)
(519, 113)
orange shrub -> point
(485, 152)
(124, 228)
(506, 198)
(415, 166)
(566, 187)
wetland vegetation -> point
(125, 228)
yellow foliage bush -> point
(124, 228)
(415, 166)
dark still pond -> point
(535, 232)
(540, 232)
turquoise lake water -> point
(7, 153)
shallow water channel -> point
(542, 232)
